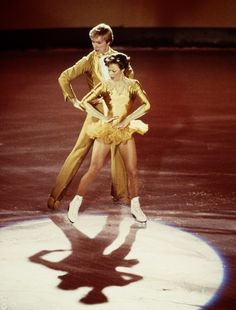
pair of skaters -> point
(108, 127)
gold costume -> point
(90, 67)
(119, 104)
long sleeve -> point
(94, 112)
(70, 74)
(145, 104)
(87, 99)
(88, 66)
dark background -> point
(146, 23)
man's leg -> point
(119, 189)
(70, 166)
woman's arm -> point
(85, 103)
(94, 112)
(145, 104)
(139, 112)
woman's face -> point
(115, 72)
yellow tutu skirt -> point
(110, 135)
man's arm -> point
(70, 74)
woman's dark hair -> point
(120, 59)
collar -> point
(109, 52)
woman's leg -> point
(99, 153)
(129, 154)
(119, 188)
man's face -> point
(100, 45)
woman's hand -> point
(109, 119)
(122, 124)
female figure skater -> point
(116, 126)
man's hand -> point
(76, 104)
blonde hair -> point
(102, 30)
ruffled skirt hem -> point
(110, 135)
